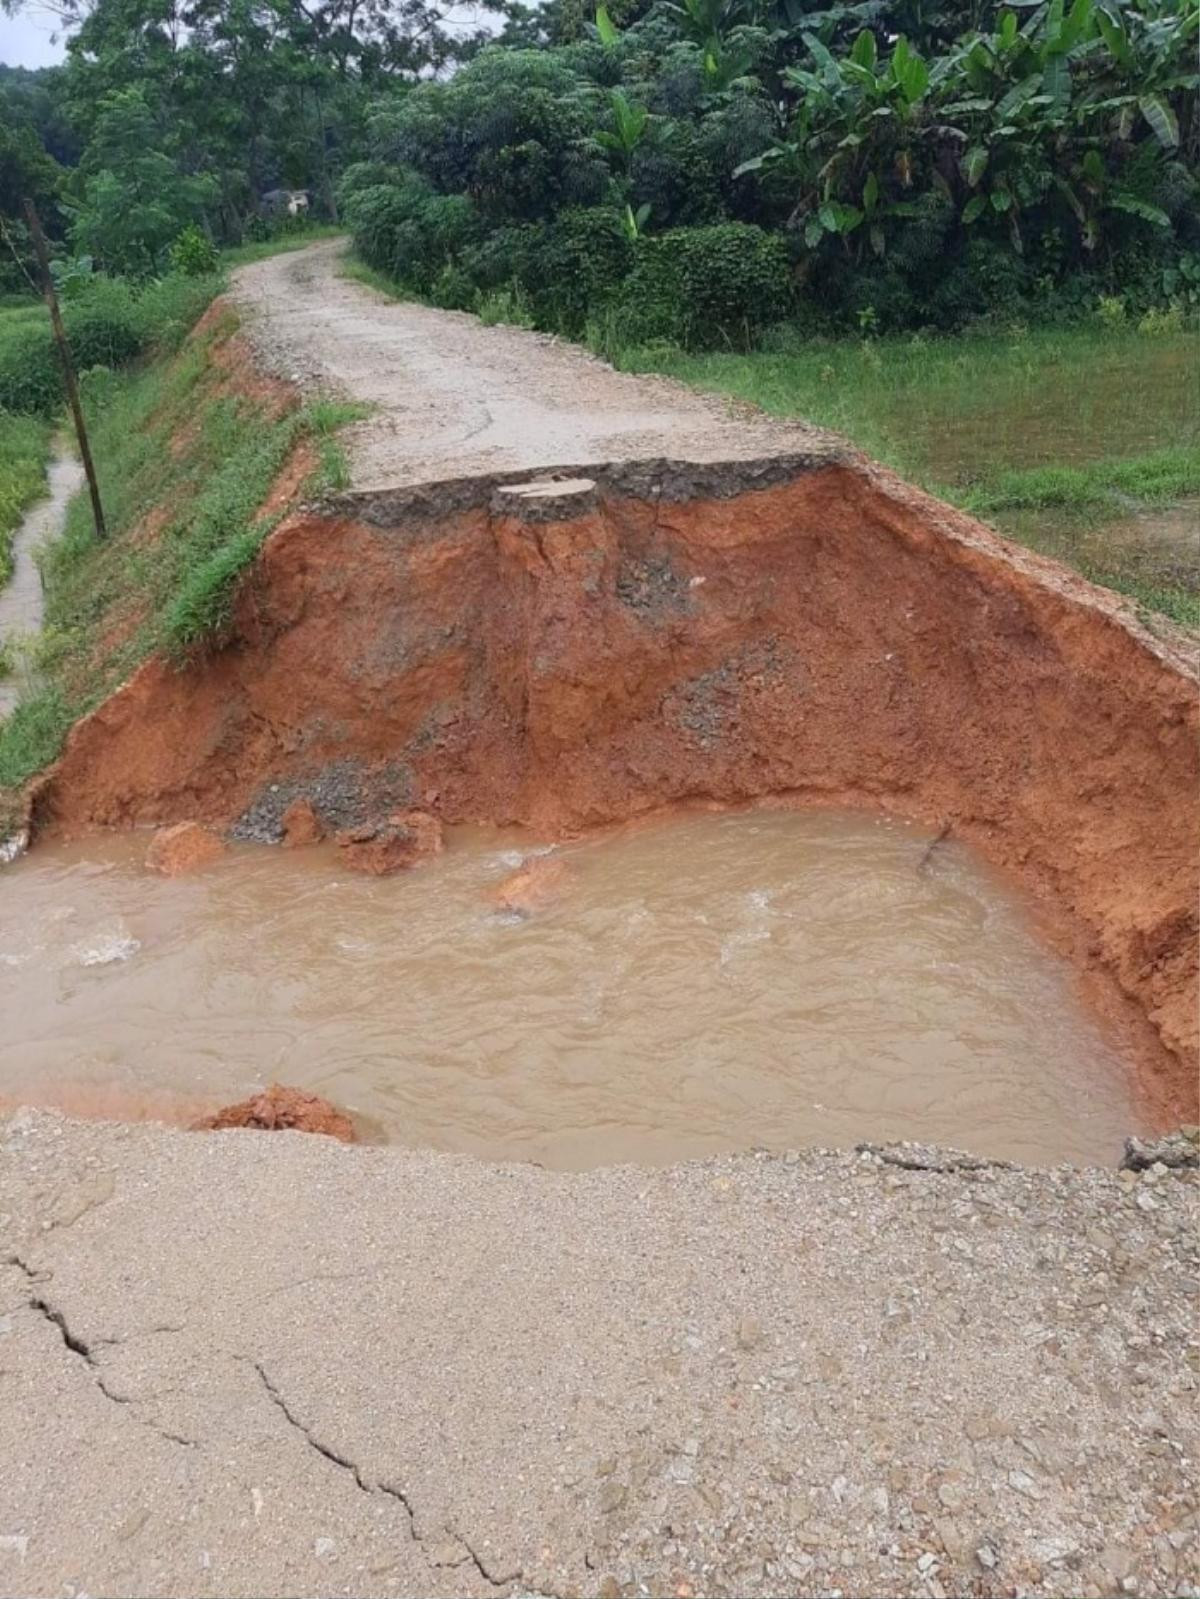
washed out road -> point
(252, 1364)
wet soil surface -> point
(451, 397)
(237, 1363)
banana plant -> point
(633, 223)
(1154, 46)
(707, 24)
(630, 124)
(854, 137)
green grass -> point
(260, 249)
(1158, 478)
(172, 445)
(1072, 440)
(360, 272)
(24, 453)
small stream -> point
(21, 598)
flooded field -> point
(713, 982)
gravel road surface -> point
(452, 398)
(248, 1363)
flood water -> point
(712, 982)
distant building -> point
(290, 202)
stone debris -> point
(1175, 1151)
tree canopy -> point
(893, 162)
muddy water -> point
(707, 983)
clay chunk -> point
(183, 848)
(280, 1109)
(301, 825)
(533, 886)
(381, 848)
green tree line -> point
(688, 170)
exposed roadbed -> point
(248, 1363)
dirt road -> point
(247, 1363)
(451, 397)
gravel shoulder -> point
(269, 1364)
(452, 398)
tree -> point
(134, 199)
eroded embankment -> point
(664, 633)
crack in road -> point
(344, 1463)
(80, 1347)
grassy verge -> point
(1080, 443)
(260, 249)
(185, 462)
(24, 453)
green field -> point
(1083, 444)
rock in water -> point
(301, 825)
(538, 884)
(392, 845)
(281, 1109)
(183, 848)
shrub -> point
(193, 254)
(404, 229)
(584, 257)
(108, 325)
(30, 376)
(103, 327)
(706, 286)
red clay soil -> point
(392, 844)
(280, 1109)
(836, 637)
(183, 847)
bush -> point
(193, 254)
(103, 327)
(30, 376)
(404, 229)
(107, 326)
(701, 287)
(584, 258)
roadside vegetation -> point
(24, 452)
(186, 461)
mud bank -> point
(567, 654)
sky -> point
(26, 39)
(29, 39)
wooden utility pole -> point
(64, 354)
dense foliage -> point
(713, 166)
(108, 323)
(688, 170)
